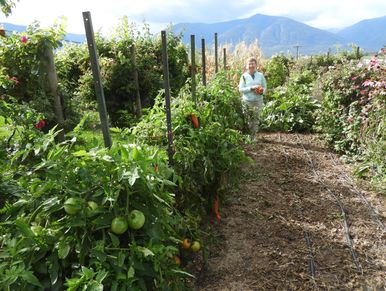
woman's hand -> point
(258, 90)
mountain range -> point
(275, 34)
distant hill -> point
(369, 34)
(275, 34)
(71, 37)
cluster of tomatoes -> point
(119, 225)
(187, 244)
(259, 90)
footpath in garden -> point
(297, 222)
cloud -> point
(158, 13)
(195, 11)
(325, 14)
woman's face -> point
(251, 67)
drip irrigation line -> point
(373, 212)
(341, 206)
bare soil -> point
(297, 222)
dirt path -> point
(297, 223)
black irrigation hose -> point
(311, 261)
(373, 212)
(343, 212)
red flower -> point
(40, 124)
(24, 39)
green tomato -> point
(136, 219)
(72, 206)
(92, 205)
(196, 246)
(119, 225)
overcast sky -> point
(324, 14)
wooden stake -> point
(203, 61)
(215, 52)
(97, 78)
(167, 96)
(193, 66)
(138, 105)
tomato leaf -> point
(131, 272)
(121, 259)
(29, 277)
(63, 249)
(95, 286)
(134, 176)
(114, 240)
(183, 273)
(145, 251)
(24, 228)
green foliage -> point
(43, 247)
(7, 6)
(291, 108)
(116, 62)
(207, 157)
(46, 245)
(277, 71)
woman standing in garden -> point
(252, 86)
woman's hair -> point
(251, 59)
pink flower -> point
(24, 39)
(364, 92)
(350, 119)
(15, 80)
(367, 83)
(40, 124)
(354, 78)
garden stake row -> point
(97, 78)
(373, 212)
(203, 61)
(340, 204)
(311, 260)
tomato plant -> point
(48, 247)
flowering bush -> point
(21, 60)
(352, 118)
